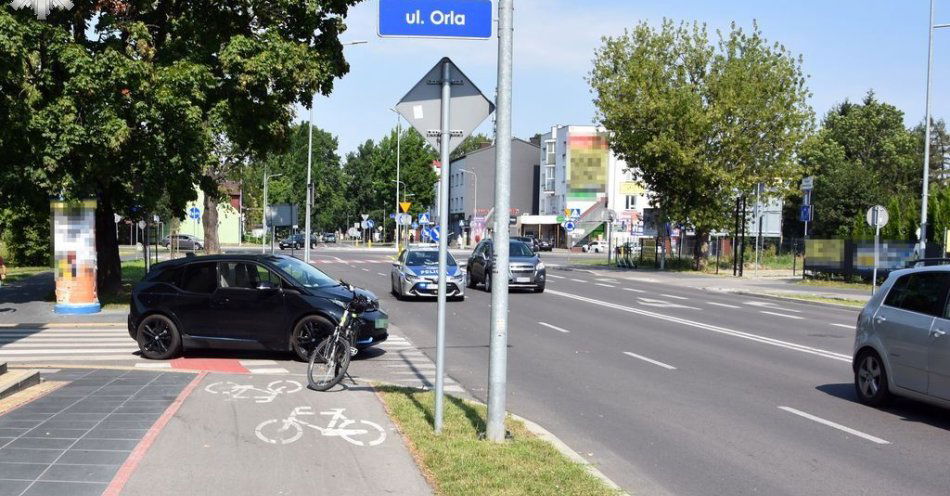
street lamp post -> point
(926, 193)
(398, 182)
(306, 249)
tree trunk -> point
(701, 250)
(108, 263)
(209, 221)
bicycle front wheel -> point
(328, 363)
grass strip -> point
(821, 299)
(132, 272)
(15, 274)
(458, 463)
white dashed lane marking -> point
(723, 305)
(834, 425)
(556, 328)
(650, 360)
(796, 317)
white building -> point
(580, 173)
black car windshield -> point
(305, 274)
(428, 258)
(519, 249)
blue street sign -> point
(806, 214)
(436, 18)
(370, 224)
(569, 226)
(194, 213)
(575, 213)
(434, 233)
(415, 225)
(424, 219)
(392, 216)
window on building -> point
(631, 202)
(550, 152)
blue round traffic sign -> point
(569, 226)
(194, 213)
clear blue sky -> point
(849, 47)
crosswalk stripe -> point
(150, 365)
(73, 351)
(55, 341)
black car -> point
(525, 268)
(545, 245)
(296, 241)
(245, 302)
(329, 237)
(530, 241)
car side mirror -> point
(266, 286)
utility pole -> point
(926, 191)
(498, 347)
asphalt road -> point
(671, 390)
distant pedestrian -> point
(412, 237)
(3, 271)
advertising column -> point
(74, 256)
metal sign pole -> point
(306, 236)
(446, 136)
(877, 244)
(498, 347)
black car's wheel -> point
(158, 338)
(488, 282)
(307, 333)
(470, 280)
(870, 379)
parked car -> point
(530, 241)
(416, 273)
(545, 245)
(902, 343)
(296, 241)
(182, 242)
(595, 247)
(329, 237)
(525, 268)
(246, 302)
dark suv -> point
(525, 268)
(296, 241)
(245, 302)
(530, 241)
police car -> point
(415, 273)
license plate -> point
(382, 323)
(523, 279)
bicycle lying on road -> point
(331, 358)
(289, 430)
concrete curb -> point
(767, 296)
(56, 325)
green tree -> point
(326, 174)
(371, 176)
(864, 156)
(471, 144)
(700, 122)
(136, 102)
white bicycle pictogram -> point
(236, 391)
(289, 430)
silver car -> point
(415, 273)
(901, 346)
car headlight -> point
(339, 304)
(540, 266)
(409, 276)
